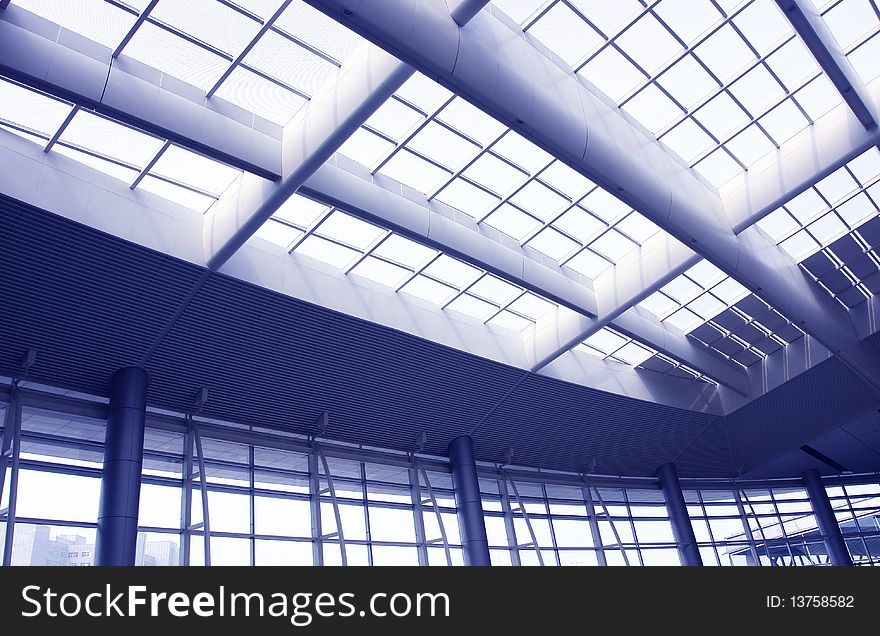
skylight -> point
(614, 346)
(439, 144)
(711, 307)
(138, 158)
(855, 25)
(720, 83)
(356, 247)
(219, 46)
(830, 229)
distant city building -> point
(33, 545)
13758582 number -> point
(811, 600)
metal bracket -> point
(321, 424)
(421, 440)
(201, 399)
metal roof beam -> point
(500, 70)
(814, 32)
(463, 10)
(318, 130)
(311, 138)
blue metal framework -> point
(257, 491)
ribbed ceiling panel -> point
(827, 396)
(88, 302)
(551, 423)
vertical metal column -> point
(116, 539)
(678, 516)
(826, 519)
(467, 501)
(11, 454)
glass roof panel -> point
(344, 241)
(563, 32)
(509, 320)
(195, 170)
(29, 109)
(96, 20)
(111, 168)
(470, 121)
(349, 231)
(208, 21)
(182, 196)
(175, 56)
(513, 222)
(718, 311)
(443, 146)
(260, 96)
(110, 139)
(701, 75)
(300, 211)
(261, 8)
(197, 40)
(519, 10)
(317, 30)
(449, 150)
(290, 63)
(429, 289)
(381, 271)
(394, 119)
(405, 252)
(850, 21)
(830, 230)
(278, 233)
(611, 345)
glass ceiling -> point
(437, 143)
(722, 83)
(714, 309)
(140, 159)
(830, 229)
(327, 234)
(613, 346)
(855, 25)
(220, 46)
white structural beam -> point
(814, 32)
(463, 10)
(499, 69)
(319, 130)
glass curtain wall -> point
(278, 499)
